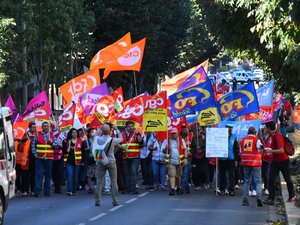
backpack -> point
(288, 146)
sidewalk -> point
(292, 212)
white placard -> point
(217, 142)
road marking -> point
(97, 217)
(142, 195)
(115, 208)
(131, 200)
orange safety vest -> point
(44, 150)
(250, 156)
(77, 152)
(132, 149)
(181, 152)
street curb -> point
(292, 212)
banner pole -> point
(135, 84)
(217, 175)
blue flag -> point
(199, 76)
(265, 94)
(240, 128)
(240, 102)
(192, 99)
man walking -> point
(42, 149)
(251, 160)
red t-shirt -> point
(288, 107)
(267, 157)
(278, 142)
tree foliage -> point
(267, 30)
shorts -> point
(174, 170)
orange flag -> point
(172, 84)
(105, 55)
(79, 85)
(130, 59)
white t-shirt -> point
(174, 151)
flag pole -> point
(135, 85)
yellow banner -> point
(209, 116)
(155, 120)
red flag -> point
(133, 111)
(119, 99)
(66, 120)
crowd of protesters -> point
(175, 164)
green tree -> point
(266, 30)
(6, 38)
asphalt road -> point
(148, 208)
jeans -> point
(159, 173)
(42, 167)
(130, 173)
(186, 174)
(111, 167)
(282, 167)
(72, 177)
(255, 172)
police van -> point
(7, 160)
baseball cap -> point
(174, 130)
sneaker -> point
(107, 192)
(221, 193)
(197, 188)
(115, 203)
(97, 203)
(24, 194)
(163, 188)
(36, 195)
(268, 202)
(250, 194)
(69, 193)
(226, 192)
(74, 193)
(188, 189)
(231, 193)
(134, 192)
(266, 192)
(253, 193)
(172, 192)
(178, 191)
(245, 201)
(236, 186)
(259, 202)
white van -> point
(7, 160)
